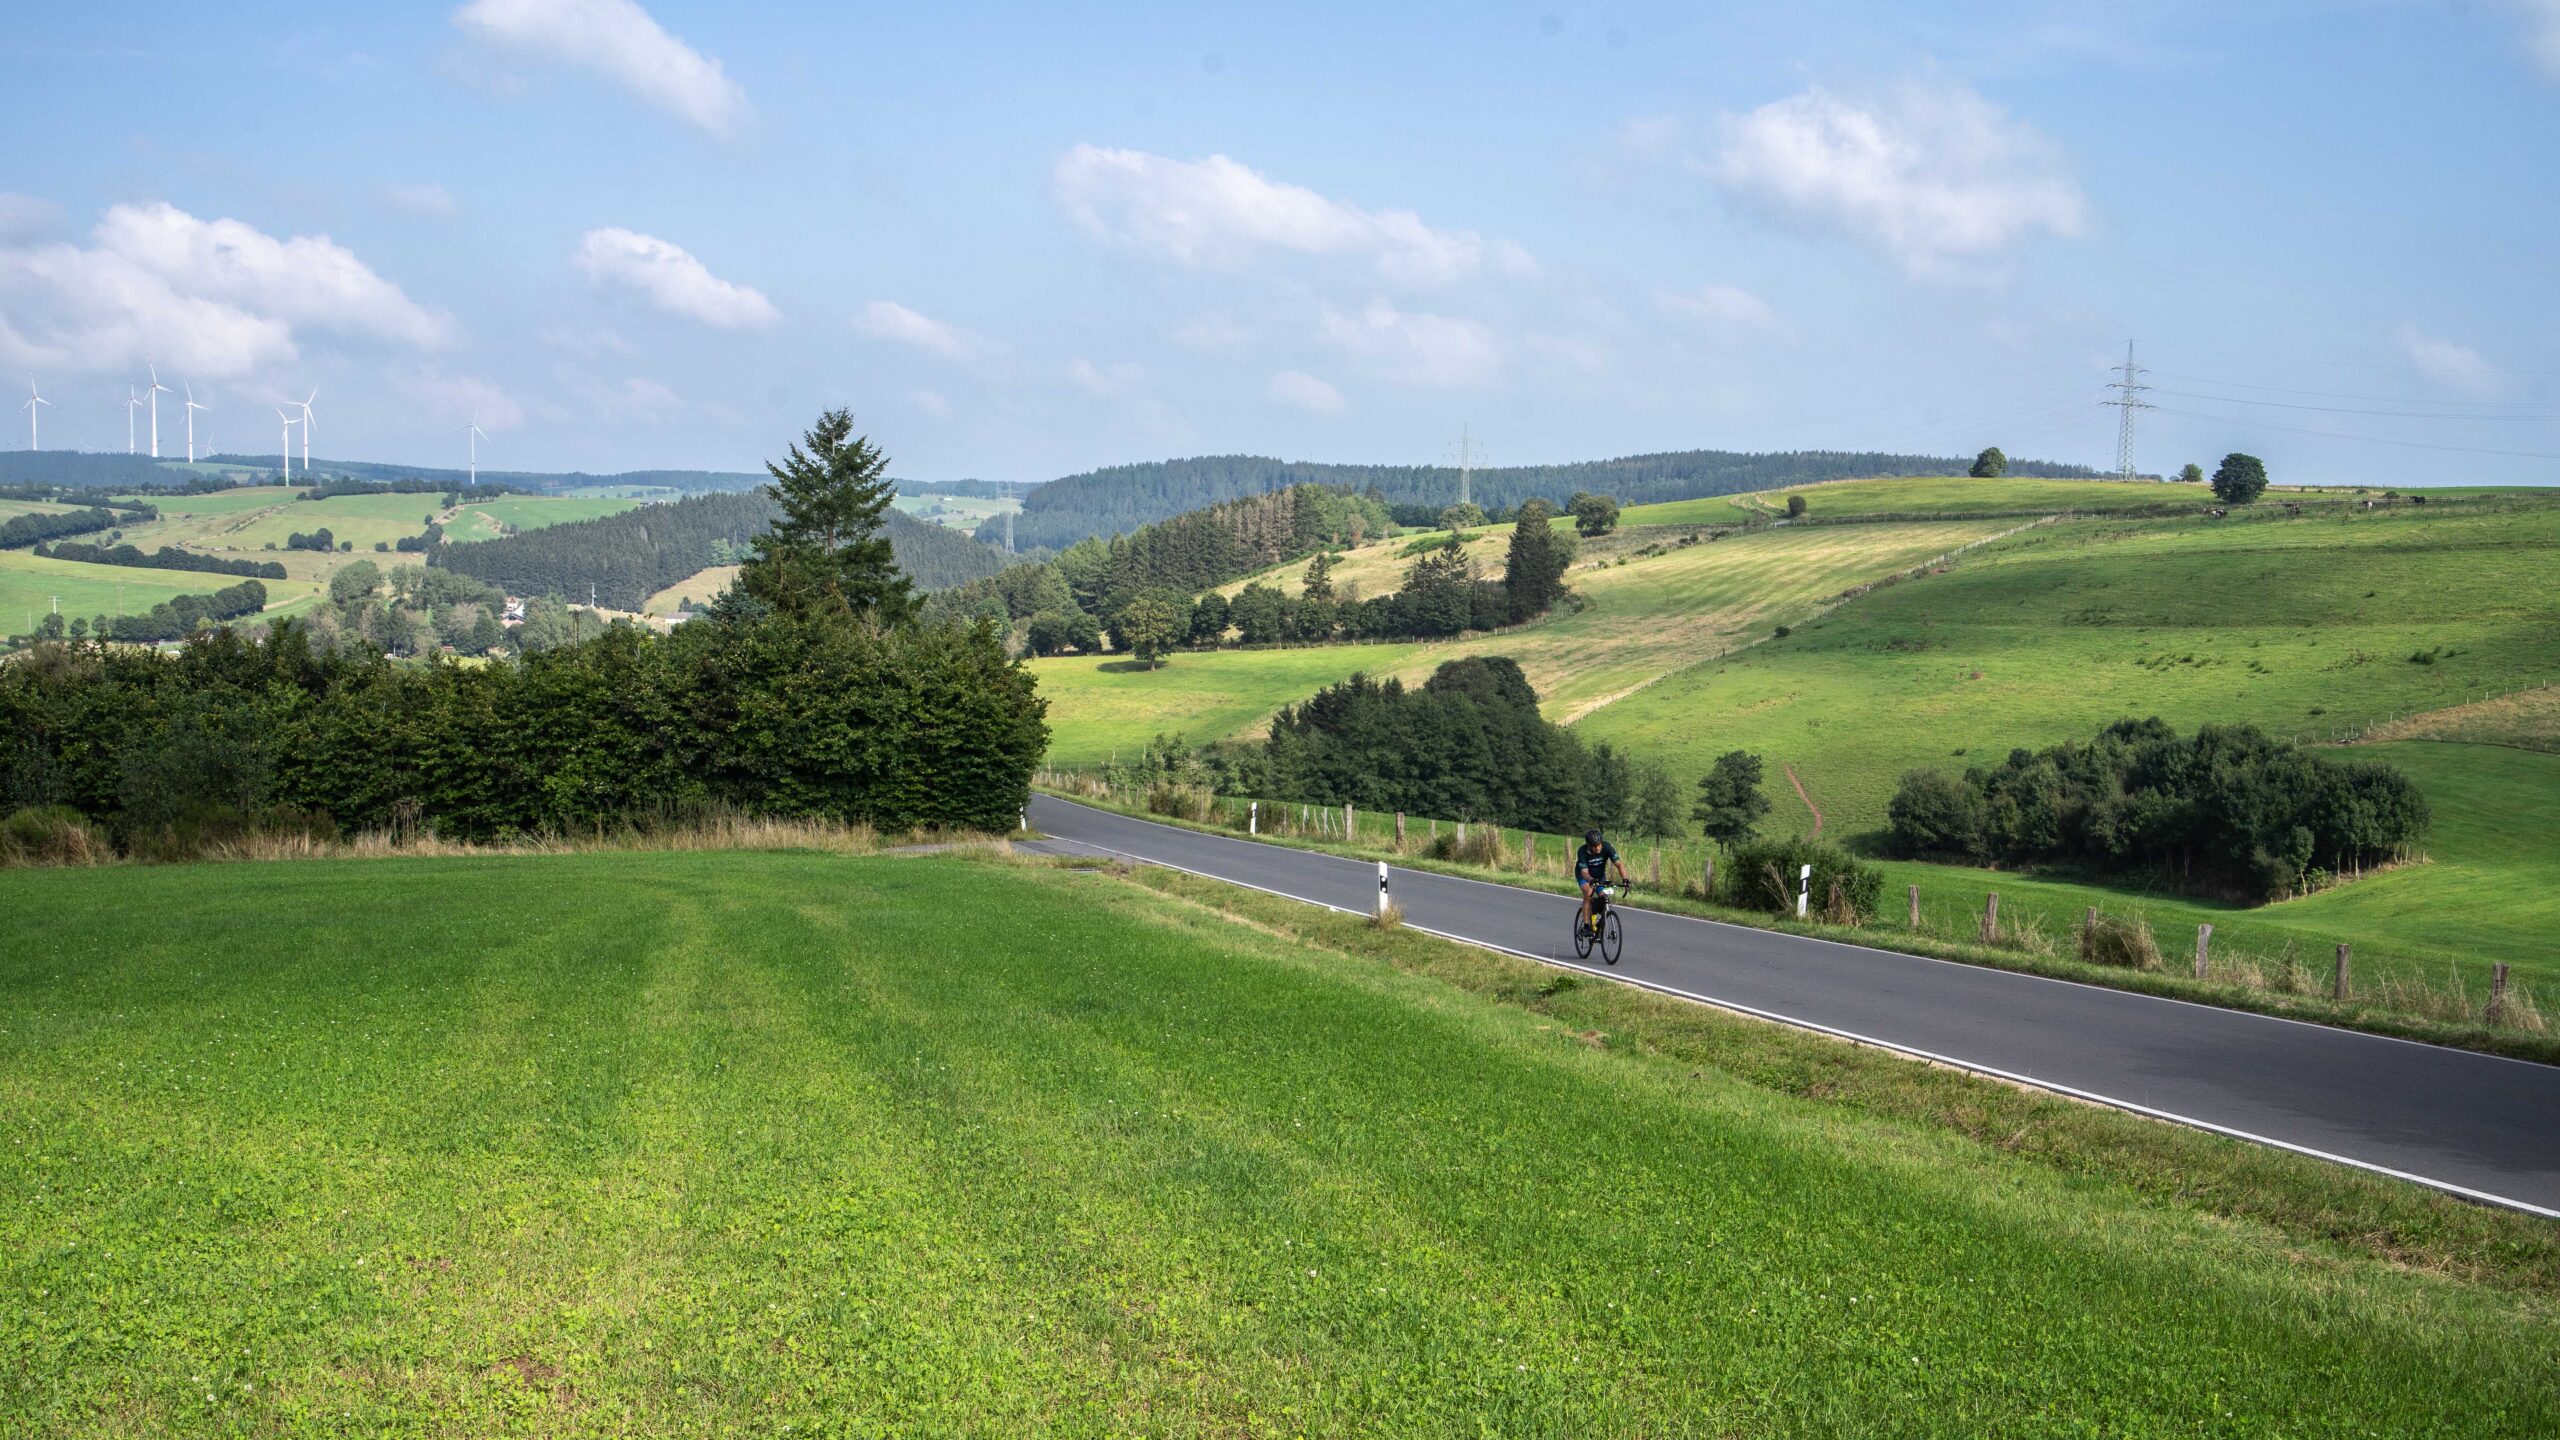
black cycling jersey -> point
(1594, 862)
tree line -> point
(1120, 498)
(167, 557)
(630, 556)
(2227, 811)
(35, 527)
(811, 689)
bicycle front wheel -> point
(1581, 937)
(1611, 939)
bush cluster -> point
(771, 715)
(1766, 874)
(2227, 810)
(1468, 743)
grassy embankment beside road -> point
(743, 1140)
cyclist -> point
(1591, 869)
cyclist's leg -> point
(1582, 916)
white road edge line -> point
(2093, 1097)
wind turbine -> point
(305, 403)
(33, 400)
(132, 402)
(157, 390)
(192, 408)
(477, 435)
(289, 423)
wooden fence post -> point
(1529, 851)
(2204, 945)
(1399, 830)
(1655, 883)
(2338, 987)
(2498, 993)
(2089, 935)
(1990, 917)
(1915, 907)
(1350, 828)
(1707, 874)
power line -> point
(2335, 364)
(2357, 439)
(2354, 410)
(2335, 395)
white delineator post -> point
(1253, 818)
(1382, 889)
(1804, 891)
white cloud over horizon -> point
(2542, 34)
(211, 298)
(1306, 392)
(2454, 366)
(668, 277)
(1935, 176)
(1726, 310)
(1409, 347)
(891, 321)
(618, 39)
(1218, 214)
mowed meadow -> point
(748, 1143)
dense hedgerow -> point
(1468, 744)
(772, 715)
(1767, 875)
(2227, 810)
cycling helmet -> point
(1591, 837)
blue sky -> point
(1021, 241)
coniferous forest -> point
(633, 555)
(1122, 497)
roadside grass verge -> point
(2406, 1006)
(724, 1143)
(2305, 1199)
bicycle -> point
(1601, 931)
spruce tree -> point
(829, 554)
(1533, 573)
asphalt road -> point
(2478, 1125)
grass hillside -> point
(2304, 626)
(728, 1143)
(1926, 495)
(1651, 606)
(492, 518)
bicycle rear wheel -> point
(1611, 939)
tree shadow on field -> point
(1125, 667)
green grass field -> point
(1926, 495)
(1647, 617)
(961, 512)
(12, 509)
(704, 1144)
(491, 519)
(29, 583)
(2303, 626)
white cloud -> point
(586, 344)
(459, 399)
(1412, 347)
(1936, 176)
(1105, 381)
(2542, 33)
(666, 276)
(615, 38)
(212, 298)
(1297, 387)
(930, 403)
(1217, 214)
(427, 201)
(2456, 367)
(25, 215)
(889, 320)
(633, 399)
(1725, 309)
